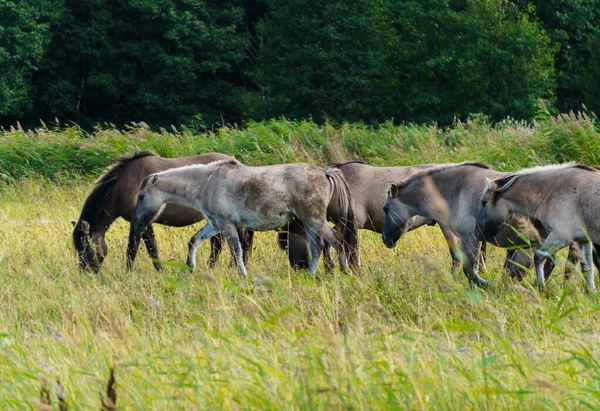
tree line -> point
(208, 62)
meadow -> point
(403, 333)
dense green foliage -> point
(69, 153)
(208, 62)
(24, 36)
(573, 25)
(319, 56)
(472, 57)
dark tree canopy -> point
(210, 62)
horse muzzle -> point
(389, 241)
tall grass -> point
(66, 153)
(404, 333)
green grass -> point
(403, 333)
(65, 154)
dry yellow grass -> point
(403, 333)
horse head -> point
(91, 247)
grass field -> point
(403, 333)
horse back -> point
(369, 186)
(124, 199)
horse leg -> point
(512, 266)
(455, 260)
(205, 232)
(588, 265)
(482, 252)
(573, 260)
(351, 253)
(546, 251)
(471, 248)
(453, 245)
(233, 239)
(293, 241)
(330, 236)
(132, 247)
(327, 257)
(216, 246)
(246, 239)
(150, 242)
(315, 243)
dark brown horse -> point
(115, 195)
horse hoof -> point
(480, 282)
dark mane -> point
(96, 201)
(442, 167)
(230, 162)
(588, 168)
(338, 165)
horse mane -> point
(225, 162)
(338, 165)
(193, 186)
(504, 183)
(435, 170)
(96, 201)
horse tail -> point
(349, 229)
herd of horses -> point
(532, 213)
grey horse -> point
(564, 198)
(450, 195)
(232, 196)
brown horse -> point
(115, 195)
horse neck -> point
(99, 227)
(527, 196)
(423, 197)
(175, 194)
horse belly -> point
(176, 215)
(255, 222)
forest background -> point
(205, 63)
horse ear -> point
(490, 185)
(508, 183)
(85, 227)
(73, 223)
(151, 180)
(394, 190)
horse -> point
(450, 194)
(562, 197)
(231, 195)
(369, 186)
(114, 195)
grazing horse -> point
(450, 195)
(564, 198)
(115, 195)
(231, 195)
(369, 186)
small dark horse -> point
(115, 195)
